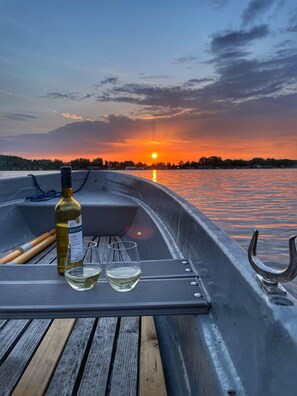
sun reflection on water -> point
(154, 176)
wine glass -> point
(83, 268)
(123, 269)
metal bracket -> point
(271, 288)
(268, 278)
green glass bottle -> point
(68, 222)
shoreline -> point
(15, 163)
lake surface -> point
(236, 200)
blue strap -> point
(44, 197)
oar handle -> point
(24, 257)
(36, 241)
(25, 247)
(10, 256)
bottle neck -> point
(67, 192)
(66, 182)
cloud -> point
(58, 95)
(142, 76)
(68, 95)
(20, 116)
(148, 95)
(232, 40)
(293, 28)
(80, 138)
(238, 86)
(108, 80)
(218, 3)
(158, 112)
(72, 116)
(197, 81)
(79, 96)
(285, 44)
(245, 80)
(115, 135)
(255, 9)
(185, 59)
(236, 81)
(293, 23)
(229, 55)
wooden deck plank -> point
(124, 376)
(9, 335)
(47, 255)
(67, 372)
(40, 369)
(104, 241)
(14, 365)
(151, 375)
(2, 323)
(95, 375)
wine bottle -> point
(68, 223)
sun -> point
(154, 155)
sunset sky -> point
(124, 79)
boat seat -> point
(96, 198)
(166, 287)
(40, 217)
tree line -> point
(8, 162)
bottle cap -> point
(66, 177)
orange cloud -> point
(72, 116)
(182, 139)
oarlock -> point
(269, 278)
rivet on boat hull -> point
(194, 283)
(198, 295)
(184, 262)
(188, 270)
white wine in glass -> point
(85, 274)
(123, 269)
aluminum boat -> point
(244, 343)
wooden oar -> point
(22, 253)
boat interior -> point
(104, 213)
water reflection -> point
(237, 199)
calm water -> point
(236, 200)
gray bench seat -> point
(104, 213)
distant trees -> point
(8, 162)
(212, 161)
(85, 163)
(119, 165)
(257, 162)
(98, 163)
(11, 162)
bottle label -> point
(75, 239)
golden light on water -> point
(154, 175)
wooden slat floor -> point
(105, 356)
